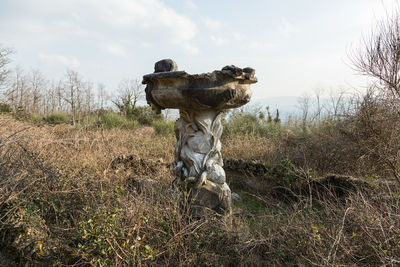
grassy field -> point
(100, 197)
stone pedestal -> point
(198, 161)
(200, 98)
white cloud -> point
(68, 27)
(287, 28)
(211, 24)
(130, 21)
(218, 41)
(189, 4)
(257, 44)
(191, 49)
(239, 36)
(55, 59)
(375, 11)
(116, 49)
(149, 21)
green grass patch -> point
(163, 127)
(58, 118)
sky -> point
(294, 46)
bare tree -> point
(4, 61)
(304, 104)
(59, 92)
(379, 55)
(130, 91)
(102, 96)
(73, 93)
(318, 92)
(17, 92)
(89, 97)
(336, 105)
(377, 114)
(49, 99)
(54, 95)
(37, 84)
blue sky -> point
(295, 46)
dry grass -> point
(248, 147)
(68, 198)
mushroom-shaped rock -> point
(221, 89)
(200, 99)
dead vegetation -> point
(321, 190)
(79, 197)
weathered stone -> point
(233, 71)
(165, 65)
(249, 73)
(200, 98)
(211, 196)
(139, 184)
(228, 88)
(254, 167)
(236, 197)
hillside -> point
(76, 196)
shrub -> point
(249, 124)
(242, 124)
(111, 119)
(145, 115)
(70, 202)
(36, 118)
(5, 108)
(362, 142)
(58, 118)
(163, 127)
(21, 114)
(374, 131)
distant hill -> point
(290, 105)
(287, 105)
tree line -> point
(33, 93)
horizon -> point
(295, 48)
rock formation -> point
(200, 98)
